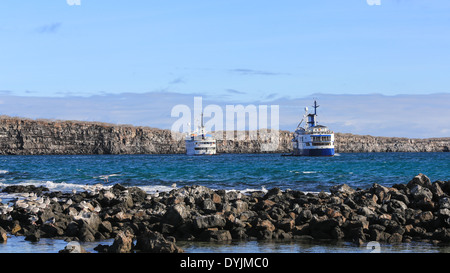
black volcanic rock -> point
(380, 213)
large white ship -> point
(200, 143)
(312, 139)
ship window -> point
(321, 138)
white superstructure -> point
(312, 139)
(200, 143)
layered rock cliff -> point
(20, 136)
(25, 136)
(348, 143)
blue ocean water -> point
(226, 171)
(244, 172)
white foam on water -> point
(69, 187)
(107, 176)
(304, 172)
(262, 189)
(155, 188)
(4, 171)
(62, 186)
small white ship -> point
(200, 143)
(312, 139)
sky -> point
(103, 53)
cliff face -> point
(348, 143)
(22, 136)
(33, 137)
(262, 142)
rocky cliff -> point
(348, 143)
(20, 136)
(25, 136)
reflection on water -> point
(306, 247)
(17, 244)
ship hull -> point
(199, 147)
(314, 152)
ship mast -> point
(202, 120)
(202, 130)
(315, 107)
(312, 117)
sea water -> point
(243, 172)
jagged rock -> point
(286, 224)
(304, 216)
(265, 225)
(444, 212)
(208, 205)
(419, 192)
(3, 236)
(215, 235)
(33, 237)
(421, 180)
(154, 242)
(209, 221)
(196, 191)
(273, 193)
(90, 219)
(444, 203)
(395, 238)
(436, 190)
(395, 205)
(16, 228)
(24, 188)
(123, 243)
(216, 198)
(380, 191)
(344, 189)
(51, 230)
(240, 206)
(105, 226)
(442, 234)
(176, 215)
(378, 213)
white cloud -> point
(415, 116)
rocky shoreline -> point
(418, 210)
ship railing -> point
(321, 132)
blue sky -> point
(226, 50)
(258, 48)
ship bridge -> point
(319, 129)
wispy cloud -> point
(49, 28)
(373, 114)
(178, 80)
(245, 71)
(271, 96)
(237, 92)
